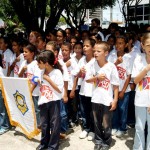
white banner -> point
(19, 104)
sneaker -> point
(105, 147)
(83, 134)
(97, 147)
(2, 131)
(113, 132)
(120, 134)
(91, 136)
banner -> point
(19, 104)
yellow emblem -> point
(20, 101)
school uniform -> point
(101, 101)
(142, 102)
(49, 104)
(119, 121)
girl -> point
(49, 102)
(86, 90)
(141, 75)
(18, 57)
(33, 37)
(29, 69)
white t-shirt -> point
(18, 64)
(142, 96)
(65, 70)
(86, 88)
(32, 70)
(7, 60)
(72, 71)
(48, 93)
(124, 68)
(103, 90)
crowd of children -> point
(85, 77)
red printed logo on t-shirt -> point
(104, 84)
(16, 69)
(46, 92)
(29, 75)
(121, 72)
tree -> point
(32, 13)
(76, 10)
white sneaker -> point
(83, 134)
(120, 134)
(113, 132)
(91, 136)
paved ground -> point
(15, 140)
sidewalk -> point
(15, 140)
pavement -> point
(15, 140)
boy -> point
(123, 63)
(105, 95)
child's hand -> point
(119, 60)
(68, 63)
(17, 59)
(65, 99)
(113, 105)
(72, 94)
(101, 77)
(121, 95)
(83, 70)
(24, 68)
(148, 109)
(45, 76)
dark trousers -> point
(72, 108)
(102, 124)
(50, 124)
(86, 113)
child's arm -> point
(22, 71)
(68, 63)
(46, 77)
(114, 102)
(72, 93)
(121, 93)
(65, 97)
(142, 74)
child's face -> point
(51, 37)
(15, 47)
(78, 49)
(146, 46)
(60, 37)
(50, 47)
(65, 52)
(27, 54)
(87, 48)
(41, 45)
(41, 65)
(120, 44)
(3, 45)
(99, 53)
(32, 38)
(72, 42)
(68, 33)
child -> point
(4, 121)
(86, 90)
(18, 57)
(41, 43)
(29, 69)
(7, 56)
(105, 95)
(33, 37)
(71, 105)
(49, 102)
(141, 75)
(124, 66)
